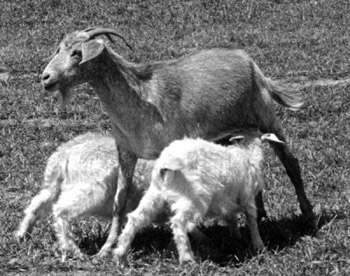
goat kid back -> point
(81, 178)
(199, 179)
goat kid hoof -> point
(20, 238)
(73, 255)
(187, 260)
(79, 256)
(121, 260)
(104, 253)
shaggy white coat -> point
(200, 179)
(81, 178)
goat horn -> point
(93, 32)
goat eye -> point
(76, 53)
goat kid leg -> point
(65, 237)
(39, 207)
(151, 204)
(179, 227)
(127, 162)
(70, 205)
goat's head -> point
(66, 68)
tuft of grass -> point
(288, 39)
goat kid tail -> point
(286, 96)
(165, 171)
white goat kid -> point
(205, 94)
(199, 179)
(81, 178)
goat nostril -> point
(45, 77)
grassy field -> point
(290, 40)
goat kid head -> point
(68, 66)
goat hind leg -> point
(292, 167)
(63, 211)
(65, 239)
(179, 223)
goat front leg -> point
(260, 206)
(127, 162)
(252, 223)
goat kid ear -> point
(91, 50)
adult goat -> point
(205, 94)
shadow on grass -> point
(220, 247)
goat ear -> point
(272, 138)
(236, 138)
(91, 50)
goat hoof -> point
(258, 246)
(311, 221)
(311, 216)
(260, 249)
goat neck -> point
(119, 90)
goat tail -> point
(286, 96)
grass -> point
(288, 39)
